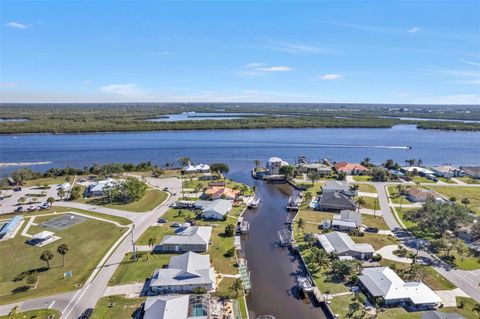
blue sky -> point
(268, 51)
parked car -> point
(162, 221)
(165, 189)
(19, 209)
(176, 225)
(45, 205)
(371, 230)
(17, 189)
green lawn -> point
(466, 310)
(130, 271)
(243, 307)
(367, 188)
(88, 241)
(116, 307)
(314, 189)
(314, 218)
(446, 180)
(374, 221)
(37, 314)
(371, 203)
(420, 179)
(192, 184)
(45, 181)
(459, 192)
(469, 180)
(469, 261)
(395, 197)
(152, 199)
(362, 178)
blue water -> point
(240, 148)
(199, 116)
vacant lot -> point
(367, 188)
(117, 307)
(395, 196)
(44, 181)
(131, 271)
(37, 314)
(459, 192)
(376, 240)
(151, 199)
(88, 241)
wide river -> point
(273, 270)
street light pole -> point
(134, 249)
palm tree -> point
(237, 286)
(61, 193)
(184, 160)
(198, 188)
(321, 256)
(308, 197)
(63, 250)
(13, 313)
(476, 309)
(151, 242)
(254, 189)
(360, 202)
(46, 256)
(313, 177)
(301, 223)
(354, 188)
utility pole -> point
(134, 249)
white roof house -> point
(384, 282)
(214, 209)
(176, 307)
(342, 245)
(418, 169)
(347, 219)
(193, 238)
(97, 188)
(65, 186)
(184, 273)
(196, 168)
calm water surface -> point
(240, 148)
(199, 116)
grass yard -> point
(44, 181)
(151, 199)
(374, 221)
(314, 189)
(376, 240)
(464, 308)
(243, 307)
(469, 261)
(446, 180)
(219, 244)
(459, 192)
(37, 314)
(130, 271)
(371, 203)
(192, 184)
(469, 180)
(116, 307)
(340, 306)
(395, 197)
(367, 188)
(420, 179)
(362, 178)
(88, 241)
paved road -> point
(468, 281)
(73, 304)
(104, 210)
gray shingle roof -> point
(220, 206)
(194, 235)
(341, 243)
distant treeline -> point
(82, 118)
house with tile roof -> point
(350, 168)
(220, 192)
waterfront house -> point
(417, 169)
(192, 238)
(214, 209)
(384, 283)
(98, 189)
(176, 307)
(274, 164)
(350, 168)
(322, 169)
(347, 220)
(220, 192)
(335, 201)
(208, 177)
(339, 186)
(446, 171)
(471, 171)
(184, 274)
(200, 168)
(343, 246)
(421, 195)
(9, 228)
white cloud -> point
(470, 62)
(329, 77)
(130, 90)
(296, 48)
(414, 30)
(274, 69)
(257, 69)
(16, 25)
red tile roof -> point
(345, 166)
